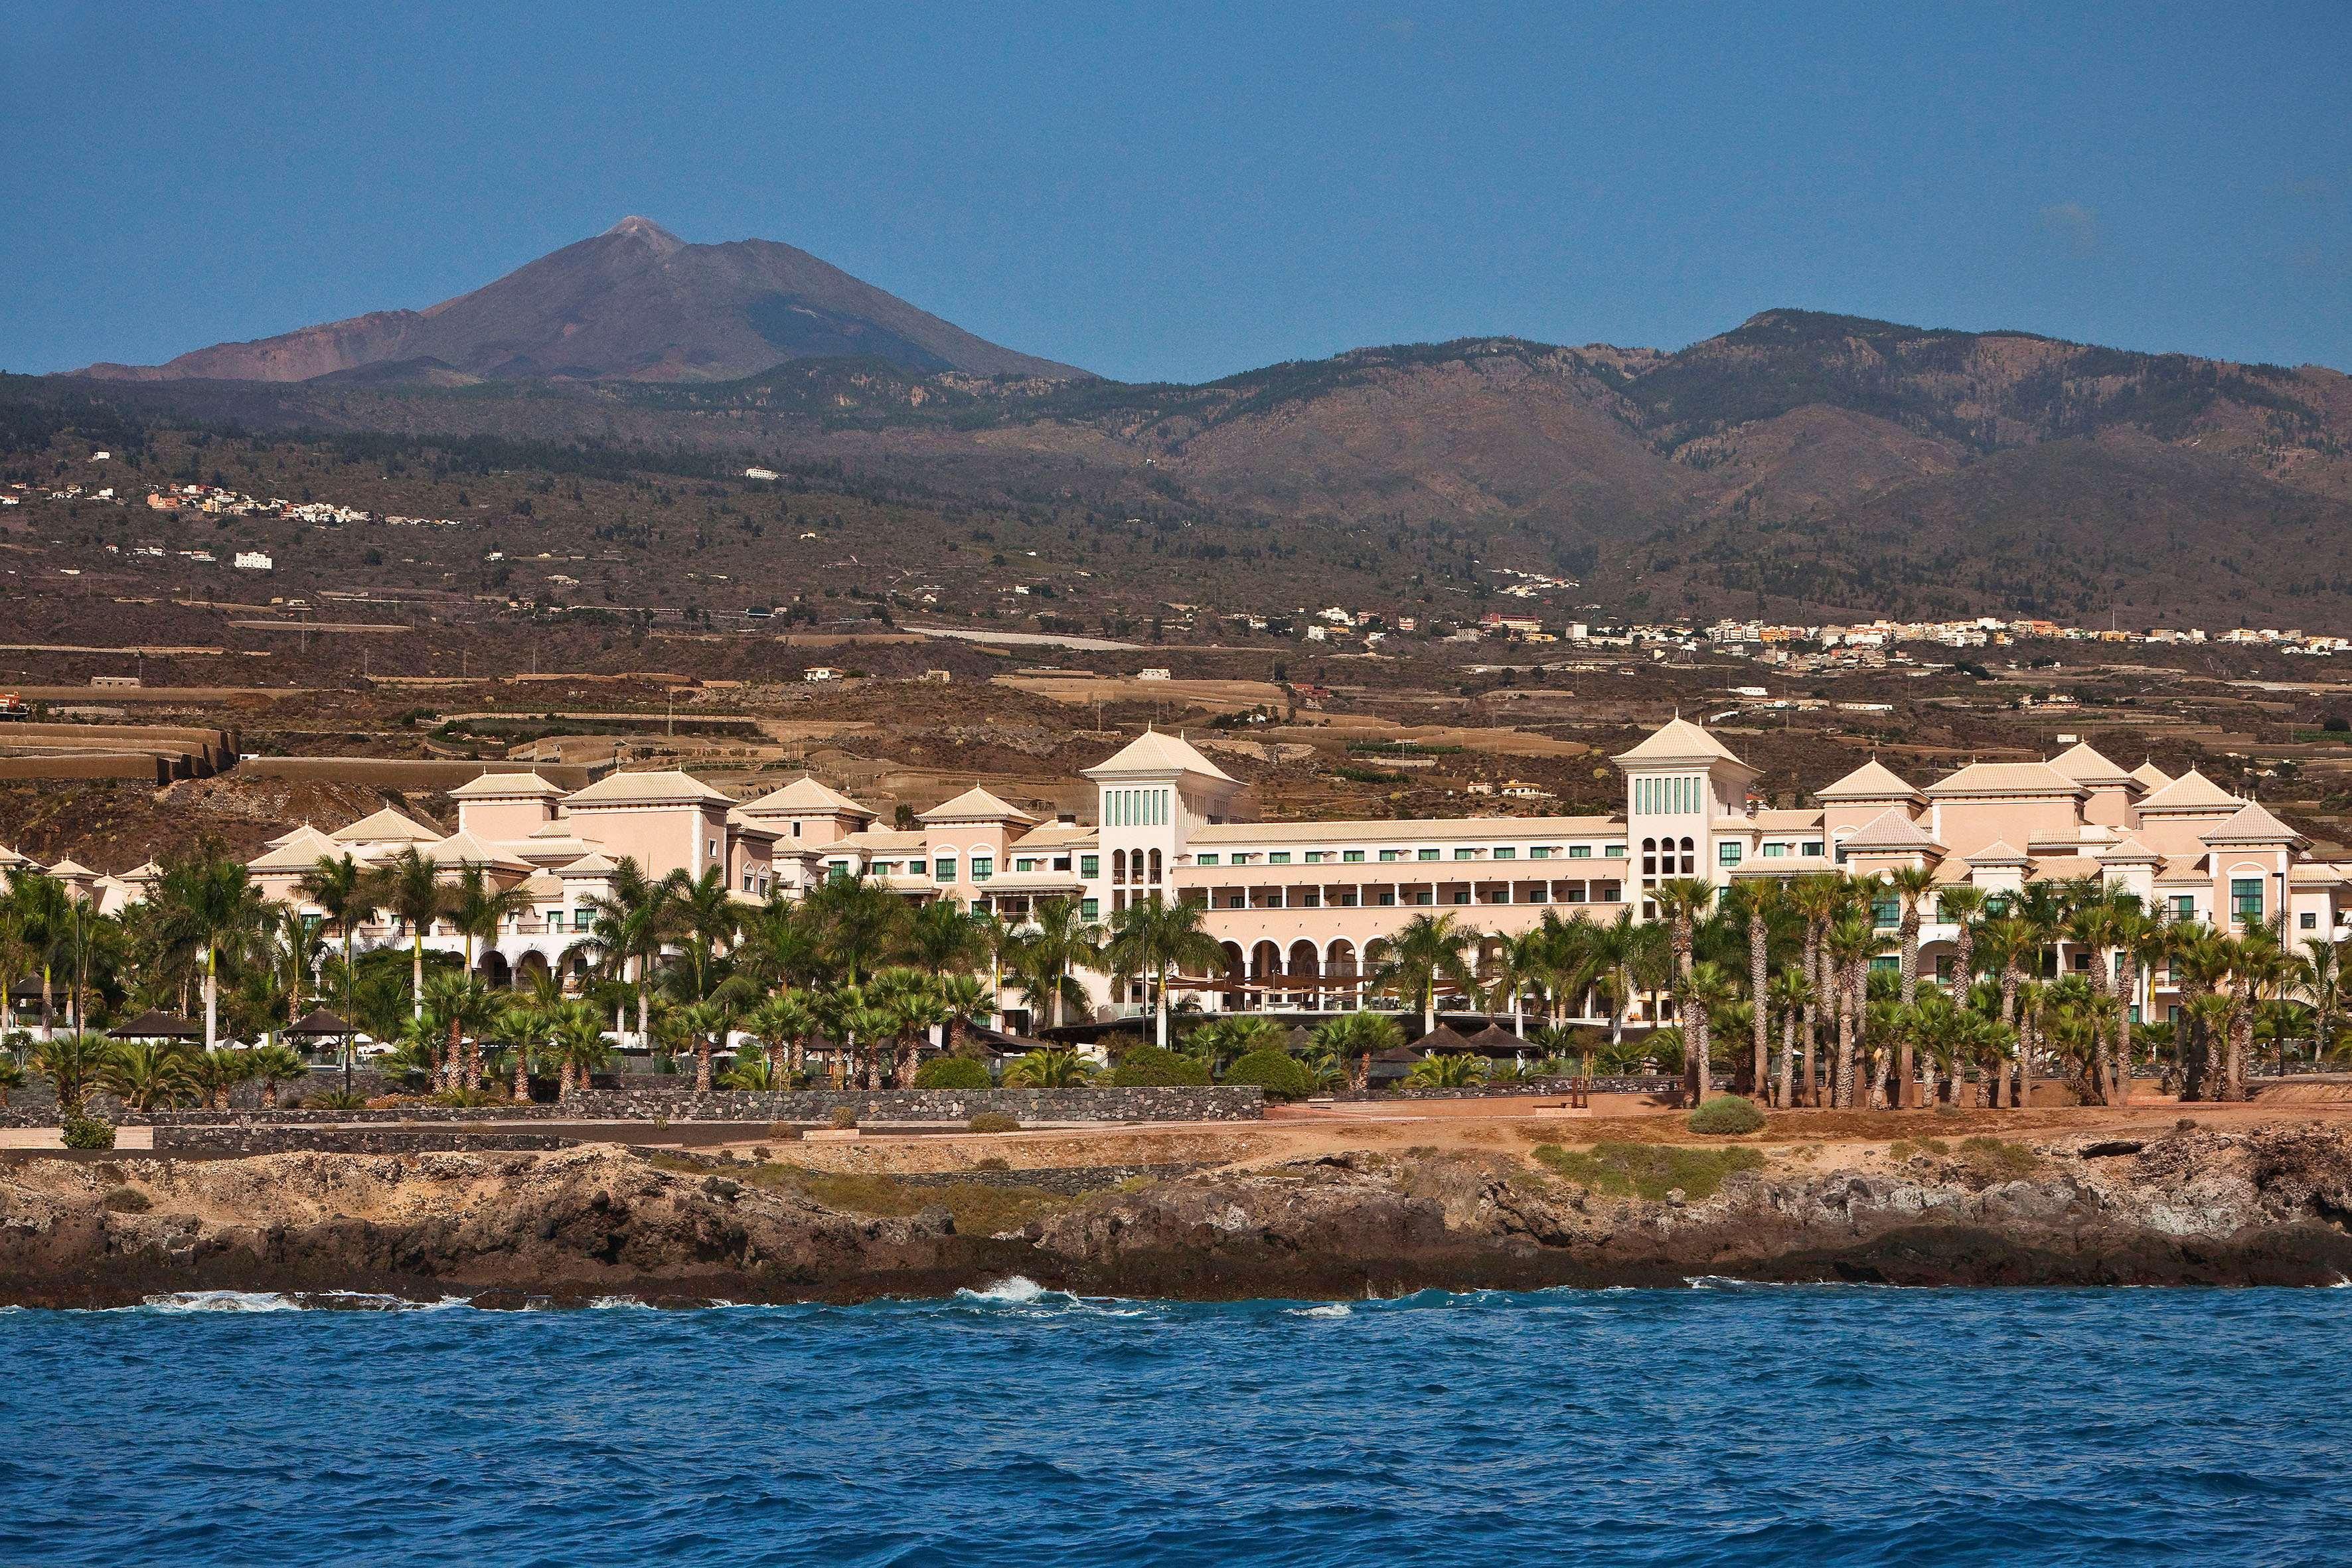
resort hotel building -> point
(1302, 909)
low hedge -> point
(88, 1132)
(1155, 1067)
(1728, 1115)
(1275, 1072)
(951, 1072)
(994, 1122)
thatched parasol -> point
(157, 1025)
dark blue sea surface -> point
(1718, 1425)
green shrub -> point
(88, 1132)
(1648, 1170)
(1277, 1072)
(994, 1122)
(1726, 1114)
(951, 1072)
(845, 1116)
(1155, 1067)
(337, 1099)
(126, 1200)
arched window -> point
(1649, 857)
(1155, 867)
(1690, 858)
(1119, 865)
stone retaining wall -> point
(1221, 1103)
(237, 1142)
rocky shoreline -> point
(2265, 1205)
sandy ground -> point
(1859, 1139)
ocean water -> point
(1716, 1424)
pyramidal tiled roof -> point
(1677, 740)
(2153, 777)
(589, 866)
(664, 787)
(2082, 764)
(70, 868)
(10, 857)
(1872, 781)
(1891, 829)
(2191, 791)
(2253, 824)
(1152, 752)
(504, 787)
(465, 849)
(974, 805)
(2005, 778)
(299, 851)
(387, 826)
(2000, 852)
(806, 795)
(2131, 851)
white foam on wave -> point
(279, 1301)
(1327, 1310)
(1019, 1291)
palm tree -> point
(459, 1008)
(339, 887)
(1707, 992)
(1789, 996)
(628, 925)
(707, 1023)
(1615, 949)
(965, 997)
(409, 886)
(218, 1069)
(477, 907)
(86, 941)
(1152, 939)
(1356, 1039)
(273, 1064)
(783, 1023)
(1751, 904)
(12, 1077)
(860, 921)
(1912, 884)
(210, 907)
(1422, 959)
(1853, 942)
(942, 939)
(2092, 925)
(1516, 963)
(1818, 899)
(1047, 1068)
(1060, 942)
(704, 912)
(1228, 1037)
(41, 904)
(1447, 1069)
(71, 1063)
(2323, 983)
(581, 1049)
(145, 1075)
(2006, 941)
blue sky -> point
(1185, 191)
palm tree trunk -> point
(2025, 1045)
(1814, 973)
(1758, 976)
(1788, 1088)
(212, 998)
(1843, 1095)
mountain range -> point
(1801, 462)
